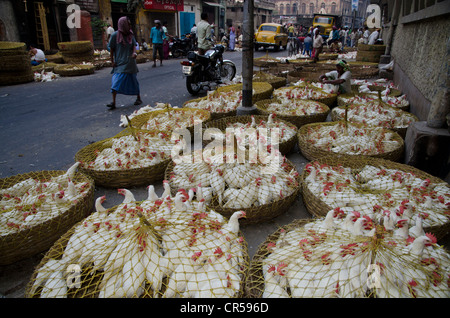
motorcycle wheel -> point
(192, 85)
(176, 54)
(227, 72)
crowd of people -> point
(308, 39)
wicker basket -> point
(90, 281)
(319, 208)
(275, 81)
(75, 47)
(329, 99)
(15, 63)
(254, 285)
(74, 70)
(120, 178)
(284, 147)
(256, 214)
(140, 121)
(400, 130)
(11, 48)
(297, 120)
(261, 90)
(311, 152)
(28, 242)
(265, 61)
(45, 66)
(213, 115)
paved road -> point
(43, 125)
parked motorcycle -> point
(201, 71)
(181, 47)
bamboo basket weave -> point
(317, 207)
(312, 152)
(297, 120)
(265, 61)
(400, 130)
(261, 90)
(38, 238)
(213, 115)
(275, 81)
(11, 48)
(74, 69)
(303, 260)
(222, 124)
(140, 121)
(370, 98)
(120, 178)
(329, 99)
(254, 214)
(139, 213)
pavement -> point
(43, 125)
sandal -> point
(111, 105)
(138, 102)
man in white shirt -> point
(317, 44)
(341, 77)
(109, 32)
(37, 56)
(366, 35)
(373, 37)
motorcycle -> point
(201, 71)
(181, 47)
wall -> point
(9, 26)
(421, 52)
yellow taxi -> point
(271, 34)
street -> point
(43, 126)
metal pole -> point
(247, 60)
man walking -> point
(157, 37)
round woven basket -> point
(400, 130)
(297, 120)
(261, 90)
(255, 214)
(45, 66)
(319, 208)
(329, 99)
(222, 124)
(254, 285)
(295, 76)
(312, 152)
(75, 47)
(74, 69)
(11, 48)
(140, 121)
(213, 115)
(13, 78)
(341, 99)
(370, 47)
(55, 58)
(31, 241)
(90, 282)
(394, 92)
(13, 63)
(119, 178)
(265, 61)
(275, 81)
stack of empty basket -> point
(370, 53)
(15, 64)
(77, 52)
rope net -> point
(161, 247)
(347, 256)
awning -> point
(212, 4)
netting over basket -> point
(132, 157)
(297, 111)
(169, 119)
(161, 247)
(317, 140)
(265, 185)
(378, 188)
(377, 114)
(261, 90)
(36, 208)
(305, 92)
(285, 137)
(347, 256)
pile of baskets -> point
(370, 53)
(15, 64)
(77, 52)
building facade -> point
(302, 11)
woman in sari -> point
(123, 58)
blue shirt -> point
(157, 35)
